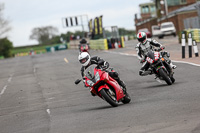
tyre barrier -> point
(102, 44)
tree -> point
(123, 31)
(4, 24)
(43, 34)
(5, 47)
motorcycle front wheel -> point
(165, 76)
(172, 79)
(109, 96)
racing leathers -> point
(97, 60)
(142, 50)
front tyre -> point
(110, 98)
(165, 76)
(172, 79)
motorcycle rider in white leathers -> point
(145, 44)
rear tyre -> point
(165, 76)
(126, 99)
(111, 99)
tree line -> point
(43, 35)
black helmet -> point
(83, 41)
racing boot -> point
(92, 93)
(172, 65)
(122, 84)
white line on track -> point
(136, 55)
(2, 91)
(66, 60)
(186, 63)
(48, 111)
(5, 87)
(34, 70)
(9, 80)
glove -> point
(162, 47)
(105, 65)
(101, 62)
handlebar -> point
(158, 50)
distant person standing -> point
(77, 37)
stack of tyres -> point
(196, 35)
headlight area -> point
(93, 81)
(90, 83)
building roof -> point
(180, 10)
(185, 9)
(149, 3)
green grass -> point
(1, 57)
(26, 49)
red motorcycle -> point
(101, 84)
(84, 48)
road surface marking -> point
(34, 70)
(4, 88)
(65, 59)
(9, 80)
(186, 62)
(136, 55)
(48, 111)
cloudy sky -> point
(24, 15)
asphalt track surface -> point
(38, 95)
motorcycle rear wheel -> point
(108, 97)
(165, 77)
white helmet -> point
(84, 58)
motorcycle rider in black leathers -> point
(83, 41)
(85, 59)
(145, 44)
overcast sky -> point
(24, 15)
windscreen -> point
(150, 54)
(89, 72)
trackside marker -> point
(66, 60)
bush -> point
(5, 47)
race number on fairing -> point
(149, 60)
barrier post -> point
(183, 45)
(190, 45)
(195, 49)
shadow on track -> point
(162, 85)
